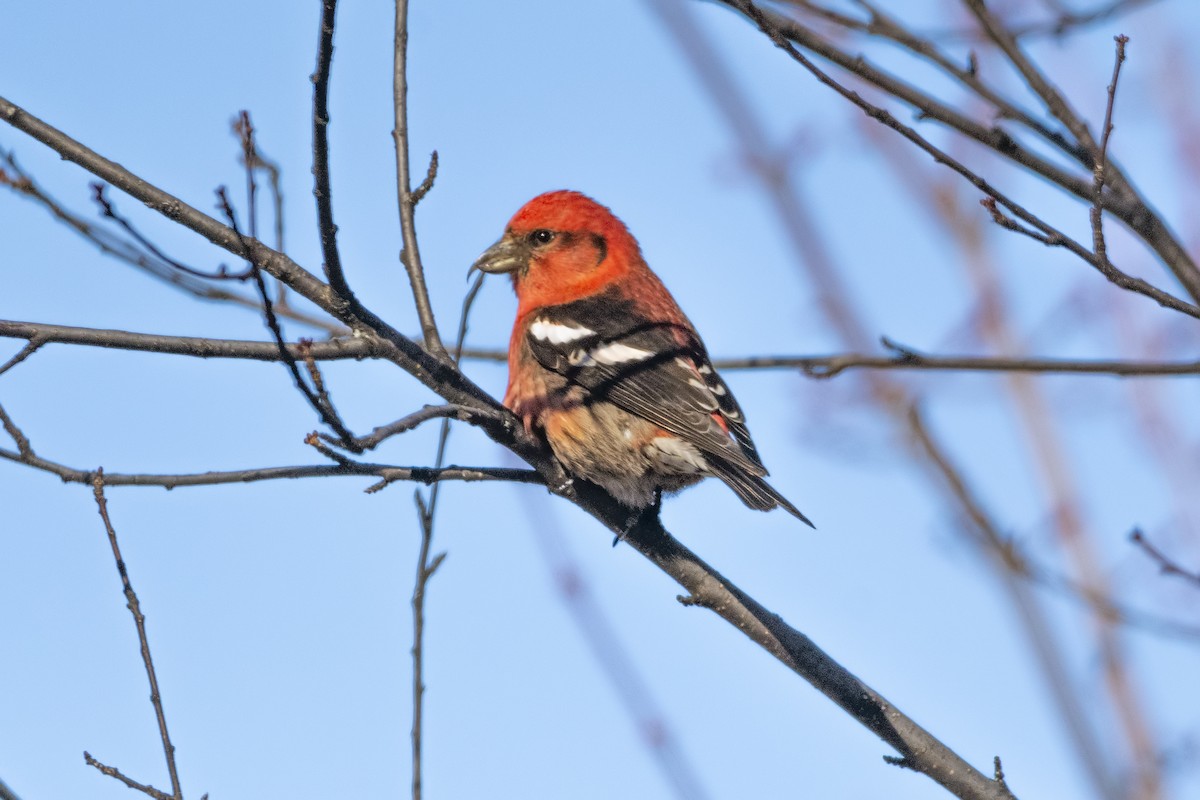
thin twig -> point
(407, 423)
(425, 569)
(1066, 21)
(32, 346)
(1151, 228)
(24, 449)
(139, 620)
(113, 772)
(1165, 565)
(245, 131)
(110, 211)
(410, 254)
(317, 399)
(1097, 213)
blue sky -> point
(278, 613)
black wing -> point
(656, 370)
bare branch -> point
(1097, 213)
(1125, 203)
(1066, 21)
(430, 176)
(1152, 229)
(24, 449)
(411, 255)
(113, 772)
(1165, 565)
(7, 793)
(128, 252)
(407, 423)
(318, 399)
(882, 25)
(199, 347)
(425, 570)
(387, 473)
(320, 169)
(32, 346)
(110, 212)
(708, 589)
(769, 25)
(1011, 568)
(425, 517)
(139, 620)
(434, 373)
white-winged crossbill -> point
(604, 363)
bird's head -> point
(561, 246)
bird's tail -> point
(754, 490)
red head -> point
(559, 247)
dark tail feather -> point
(754, 491)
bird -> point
(605, 366)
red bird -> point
(606, 365)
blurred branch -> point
(1165, 565)
(139, 620)
(408, 199)
(609, 651)
(1064, 22)
(1052, 460)
(1010, 567)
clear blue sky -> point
(278, 612)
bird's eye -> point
(540, 237)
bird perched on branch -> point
(605, 364)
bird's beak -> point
(506, 255)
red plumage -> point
(606, 366)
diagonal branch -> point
(139, 620)
(1165, 565)
(1150, 227)
(1125, 203)
(768, 25)
(113, 772)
